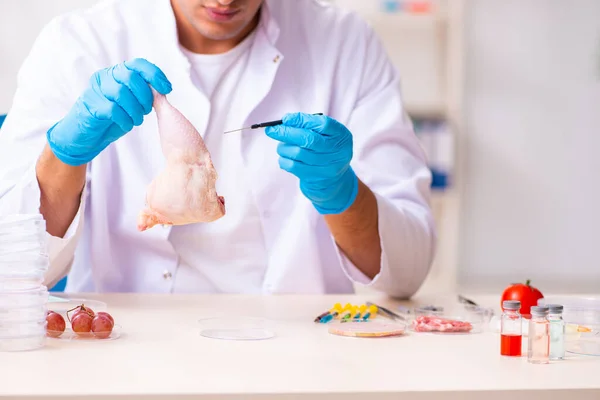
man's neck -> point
(194, 41)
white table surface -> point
(161, 355)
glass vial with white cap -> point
(511, 329)
(557, 331)
(538, 351)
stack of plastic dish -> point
(23, 298)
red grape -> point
(81, 323)
(102, 326)
(79, 309)
(55, 324)
(85, 308)
(107, 315)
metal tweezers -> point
(387, 313)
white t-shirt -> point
(206, 251)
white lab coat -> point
(306, 57)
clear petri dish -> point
(65, 309)
(237, 328)
(22, 222)
(68, 303)
(23, 313)
(583, 346)
(15, 278)
(15, 329)
(24, 264)
(479, 317)
(12, 283)
(443, 325)
(12, 257)
(22, 343)
(429, 310)
(68, 334)
(24, 250)
(582, 316)
(24, 233)
(24, 298)
(20, 244)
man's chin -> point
(219, 33)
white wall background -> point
(531, 205)
(20, 23)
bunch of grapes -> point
(83, 322)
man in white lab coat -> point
(313, 206)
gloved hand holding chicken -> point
(116, 100)
(318, 150)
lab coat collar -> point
(168, 28)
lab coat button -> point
(167, 275)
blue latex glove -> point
(115, 101)
(318, 150)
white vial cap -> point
(511, 304)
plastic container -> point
(33, 234)
(461, 319)
(26, 263)
(582, 318)
(23, 328)
(68, 303)
(23, 313)
(237, 328)
(22, 223)
(428, 311)
(37, 297)
(65, 309)
(23, 298)
(20, 282)
(23, 343)
(68, 334)
(479, 317)
(34, 244)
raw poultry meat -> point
(184, 192)
(437, 324)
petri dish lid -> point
(8, 240)
(23, 227)
(23, 264)
(24, 298)
(237, 328)
(62, 303)
(573, 303)
(584, 347)
(19, 221)
(578, 310)
(428, 310)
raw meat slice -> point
(184, 192)
(438, 324)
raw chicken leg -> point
(184, 192)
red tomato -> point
(525, 293)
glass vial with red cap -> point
(511, 329)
